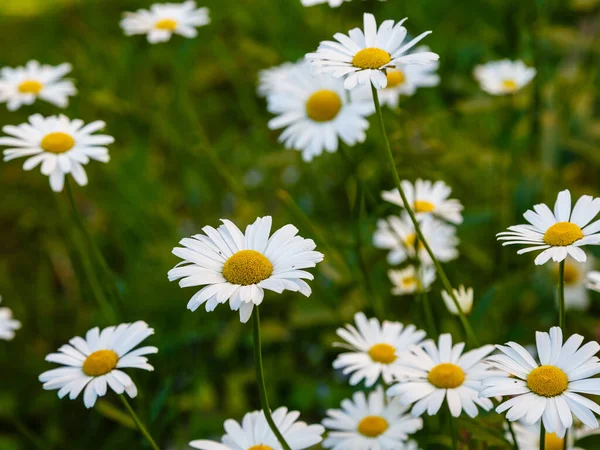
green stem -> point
(260, 379)
(422, 294)
(565, 440)
(542, 436)
(561, 295)
(512, 434)
(438, 267)
(139, 423)
(453, 433)
(29, 434)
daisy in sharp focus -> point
(363, 57)
(254, 433)
(370, 422)
(24, 85)
(316, 112)
(237, 267)
(464, 297)
(551, 389)
(427, 198)
(60, 145)
(163, 20)
(559, 233)
(95, 363)
(8, 325)
(504, 77)
(406, 281)
(429, 373)
(374, 348)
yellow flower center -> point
(562, 233)
(30, 87)
(100, 363)
(247, 267)
(260, 447)
(446, 376)
(383, 353)
(510, 85)
(371, 58)
(166, 24)
(547, 381)
(424, 206)
(57, 142)
(395, 78)
(553, 442)
(409, 281)
(572, 273)
(410, 240)
(323, 105)
(372, 426)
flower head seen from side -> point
(62, 146)
(374, 348)
(254, 433)
(551, 389)
(24, 85)
(316, 112)
(370, 422)
(363, 57)
(237, 267)
(503, 77)
(96, 362)
(559, 233)
(464, 297)
(8, 325)
(406, 281)
(429, 373)
(163, 20)
(428, 198)
(273, 79)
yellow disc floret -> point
(547, 381)
(372, 426)
(30, 87)
(510, 85)
(446, 376)
(562, 233)
(383, 353)
(553, 442)
(395, 78)
(424, 206)
(247, 267)
(572, 273)
(100, 363)
(57, 142)
(166, 24)
(260, 447)
(409, 281)
(323, 105)
(371, 58)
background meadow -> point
(192, 146)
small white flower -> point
(372, 422)
(406, 281)
(95, 363)
(24, 85)
(332, 3)
(576, 295)
(60, 145)
(558, 234)
(375, 348)
(254, 433)
(504, 77)
(273, 79)
(464, 297)
(8, 325)
(362, 58)
(163, 19)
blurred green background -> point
(192, 146)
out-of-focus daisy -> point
(558, 234)
(163, 19)
(24, 85)
(254, 433)
(464, 297)
(374, 348)
(60, 145)
(528, 438)
(504, 77)
(593, 280)
(428, 374)
(427, 198)
(370, 422)
(398, 235)
(406, 281)
(551, 390)
(363, 57)
(576, 295)
(273, 79)
(237, 267)
(95, 363)
(332, 3)
(8, 325)
(316, 112)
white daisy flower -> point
(95, 362)
(503, 77)
(362, 58)
(428, 374)
(316, 112)
(406, 281)
(60, 145)
(551, 390)
(163, 19)
(374, 348)
(398, 235)
(24, 85)
(372, 422)
(528, 438)
(237, 266)
(272, 80)
(332, 3)
(254, 433)
(8, 325)
(576, 295)
(558, 234)
(464, 297)
(427, 198)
